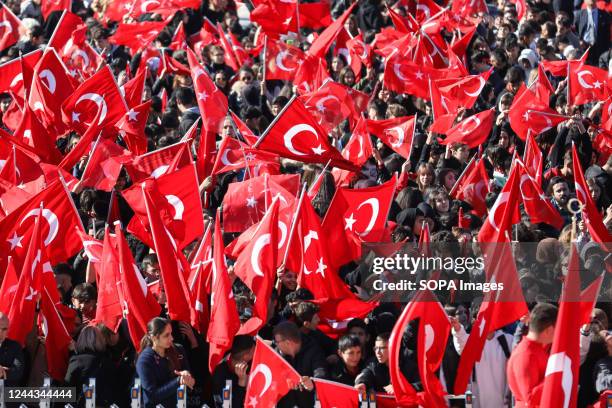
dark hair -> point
(305, 311)
(241, 344)
(288, 331)
(155, 327)
(553, 181)
(299, 294)
(356, 323)
(383, 336)
(348, 341)
(148, 260)
(185, 96)
(542, 316)
(84, 292)
(90, 340)
(515, 75)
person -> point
(234, 367)
(12, 363)
(306, 357)
(350, 364)
(376, 375)
(527, 364)
(593, 28)
(159, 378)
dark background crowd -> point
(175, 353)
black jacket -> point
(159, 383)
(82, 367)
(309, 361)
(339, 373)
(11, 356)
(375, 376)
(221, 374)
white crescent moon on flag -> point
(582, 81)
(178, 205)
(51, 220)
(503, 197)
(261, 242)
(86, 245)
(320, 102)
(144, 7)
(524, 178)
(430, 337)
(424, 9)
(224, 158)
(8, 26)
(48, 75)
(98, 100)
(282, 227)
(401, 136)
(482, 84)
(398, 73)
(266, 372)
(372, 202)
(67, 47)
(290, 134)
(280, 61)
(364, 50)
(80, 53)
(160, 171)
(583, 199)
(561, 363)
(16, 79)
(474, 119)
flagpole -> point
(293, 223)
(276, 119)
(318, 177)
(265, 60)
(554, 115)
(461, 176)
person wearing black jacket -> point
(306, 357)
(375, 375)
(350, 364)
(234, 368)
(11, 356)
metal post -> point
(227, 394)
(363, 399)
(46, 403)
(469, 399)
(372, 398)
(2, 405)
(181, 397)
(135, 394)
(90, 393)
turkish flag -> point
(179, 38)
(172, 271)
(134, 88)
(98, 93)
(473, 131)
(588, 298)
(57, 338)
(11, 74)
(528, 114)
(211, 101)
(335, 314)
(141, 304)
(336, 395)
(322, 43)
(282, 60)
(542, 86)
(587, 84)
(49, 6)
(315, 15)
(399, 138)
(270, 379)
(61, 240)
(224, 319)
(78, 55)
(9, 28)
(34, 135)
(311, 74)
(104, 165)
(360, 54)
(533, 159)
(463, 91)
(159, 162)
(137, 35)
(504, 211)
(177, 199)
(442, 107)
(93, 250)
(536, 204)
(561, 379)
(275, 17)
(172, 66)
(9, 286)
(131, 128)
(359, 147)
(83, 146)
(29, 287)
(403, 24)
(460, 46)
(312, 146)
(591, 216)
(256, 267)
(235, 155)
(51, 86)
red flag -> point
(561, 379)
(590, 213)
(321, 44)
(270, 379)
(49, 6)
(275, 18)
(179, 39)
(335, 314)
(442, 106)
(521, 8)
(109, 308)
(9, 286)
(588, 298)
(336, 395)
(11, 73)
(83, 146)
(537, 205)
(473, 131)
(234, 155)
(159, 162)
(282, 60)
(528, 114)
(256, 267)
(463, 91)
(312, 147)
(57, 338)
(78, 55)
(104, 165)
(131, 128)
(360, 53)
(432, 335)
(359, 147)
(502, 214)
(533, 159)
(140, 302)
(9, 30)
(33, 134)
(224, 319)
(315, 15)
(101, 92)
(29, 287)
(587, 84)
(399, 138)
(542, 86)
(134, 88)
(137, 35)
(311, 74)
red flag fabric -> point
(134, 88)
(29, 287)
(315, 15)
(335, 314)
(537, 205)
(464, 91)
(33, 134)
(359, 147)
(588, 298)
(561, 379)
(140, 302)
(159, 162)
(312, 146)
(109, 308)
(529, 115)
(270, 379)
(99, 91)
(336, 395)
(11, 75)
(49, 6)
(83, 147)
(399, 138)
(321, 44)
(224, 319)
(311, 74)
(590, 213)
(137, 35)
(179, 39)
(256, 267)
(9, 30)
(104, 165)
(235, 155)
(131, 128)
(57, 338)
(533, 159)
(9, 286)
(473, 131)
(473, 186)
(587, 84)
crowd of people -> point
(510, 42)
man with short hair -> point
(305, 356)
(11, 356)
(527, 364)
(234, 367)
(376, 373)
(187, 106)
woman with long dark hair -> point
(158, 375)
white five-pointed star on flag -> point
(349, 222)
(251, 202)
(132, 114)
(15, 241)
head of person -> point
(349, 350)
(242, 350)
(84, 296)
(159, 334)
(288, 338)
(358, 328)
(460, 151)
(542, 320)
(559, 190)
(347, 76)
(185, 99)
(425, 175)
(447, 178)
(307, 315)
(150, 266)
(438, 199)
(217, 56)
(278, 104)
(381, 348)
(289, 280)
(90, 341)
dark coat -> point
(11, 356)
(159, 383)
(82, 367)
